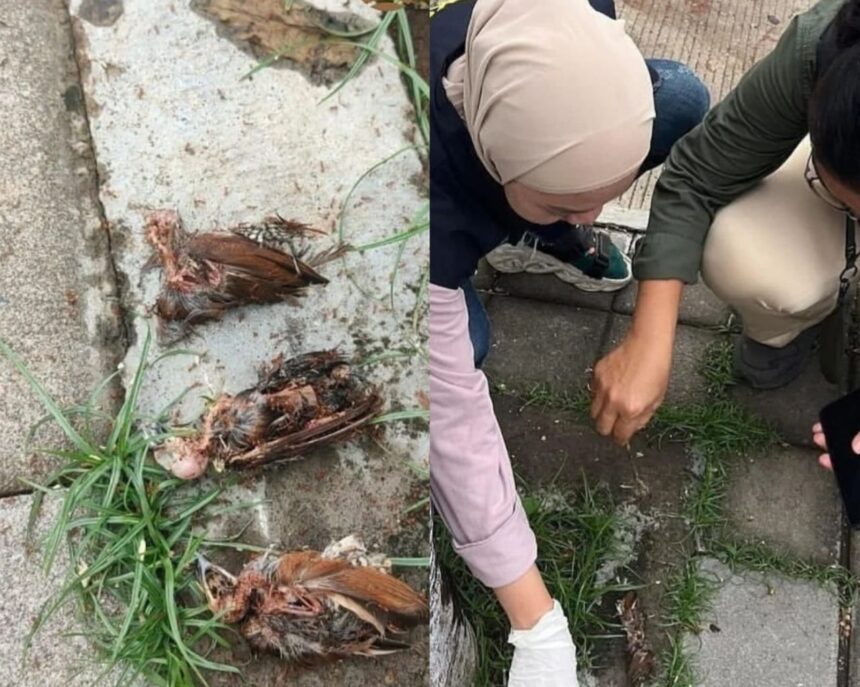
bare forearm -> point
(525, 600)
(656, 313)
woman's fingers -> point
(819, 440)
(855, 445)
(606, 419)
(824, 461)
(625, 428)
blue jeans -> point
(681, 101)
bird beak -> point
(205, 569)
(202, 566)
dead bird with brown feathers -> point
(209, 273)
(296, 406)
(309, 606)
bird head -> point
(220, 588)
(161, 228)
(185, 457)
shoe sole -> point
(511, 259)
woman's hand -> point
(630, 383)
(824, 459)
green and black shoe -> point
(585, 258)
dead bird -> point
(310, 607)
(209, 273)
(297, 405)
(641, 656)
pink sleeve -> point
(471, 481)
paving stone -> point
(547, 445)
(56, 657)
(773, 632)
(539, 343)
(175, 125)
(793, 409)
(55, 284)
(685, 383)
(782, 497)
(699, 306)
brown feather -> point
(295, 444)
(244, 255)
(309, 570)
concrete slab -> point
(783, 498)
(768, 632)
(176, 125)
(793, 409)
(56, 658)
(547, 446)
(539, 343)
(55, 280)
(699, 306)
(685, 383)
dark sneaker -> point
(766, 367)
(584, 257)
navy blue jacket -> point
(469, 213)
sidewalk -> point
(152, 100)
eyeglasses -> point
(813, 180)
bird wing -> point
(318, 432)
(245, 258)
(310, 571)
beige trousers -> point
(775, 255)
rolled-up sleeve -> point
(471, 480)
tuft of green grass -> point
(703, 506)
(689, 597)
(576, 537)
(717, 428)
(716, 367)
(677, 665)
(128, 527)
(542, 396)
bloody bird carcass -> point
(296, 406)
(309, 607)
(207, 274)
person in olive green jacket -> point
(761, 200)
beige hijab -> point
(554, 94)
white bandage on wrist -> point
(544, 656)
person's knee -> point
(737, 276)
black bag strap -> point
(850, 270)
